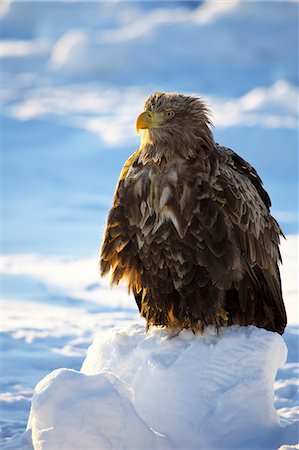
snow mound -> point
(154, 390)
(71, 410)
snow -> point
(74, 78)
(196, 390)
(154, 390)
(231, 373)
(100, 415)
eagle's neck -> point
(158, 145)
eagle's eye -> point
(169, 113)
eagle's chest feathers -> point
(159, 199)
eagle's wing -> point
(257, 233)
(119, 251)
(196, 241)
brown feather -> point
(190, 228)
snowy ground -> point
(74, 77)
(58, 309)
(151, 390)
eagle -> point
(190, 229)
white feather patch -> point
(142, 207)
(168, 214)
(166, 195)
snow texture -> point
(154, 390)
(99, 416)
(198, 391)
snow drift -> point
(154, 390)
(71, 410)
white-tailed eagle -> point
(190, 229)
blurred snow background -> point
(74, 76)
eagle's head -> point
(175, 121)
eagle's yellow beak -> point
(147, 119)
